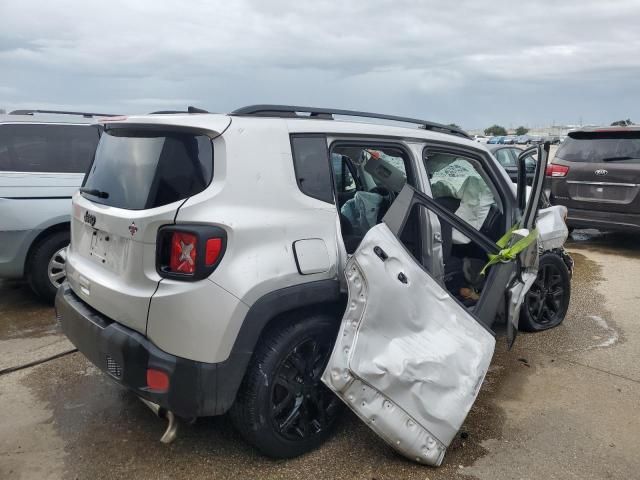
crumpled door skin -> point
(409, 360)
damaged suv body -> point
(215, 260)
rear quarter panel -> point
(255, 198)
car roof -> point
(219, 122)
(609, 129)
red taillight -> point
(157, 380)
(212, 251)
(554, 170)
(183, 252)
(189, 252)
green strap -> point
(509, 254)
(504, 240)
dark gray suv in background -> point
(596, 175)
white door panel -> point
(409, 359)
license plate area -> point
(108, 250)
(100, 246)
(602, 193)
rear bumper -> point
(196, 389)
(605, 220)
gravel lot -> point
(562, 404)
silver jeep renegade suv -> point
(277, 262)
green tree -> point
(622, 123)
(453, 125)
(522, 130)
(495, 130)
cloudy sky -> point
(470, 62)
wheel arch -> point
(43, 235)
(270, 311)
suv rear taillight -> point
(183, 253)
(189, 252)
(554, 170)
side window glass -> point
(82, 143)
(461, 186)
(368, 178)
(344, 180)
(311, 162)
(30, 151)
(505, 159)
(530, 162)
(47, 148)
(5, 159)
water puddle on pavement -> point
(22, 315)
(610, 337)
(588, 324)
(108, 432)
(620, 243)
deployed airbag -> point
(362, 211)
(460, 180)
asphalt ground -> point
(562, 404)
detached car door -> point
(409, 359)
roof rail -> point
(189, 109)
(63, 112)
(291, 111)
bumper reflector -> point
(157, 380)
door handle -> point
(382, 255)
(403, 278)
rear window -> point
(47, 148)
(618, 146)
(140, 169)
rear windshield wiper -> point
(94, 192)
(613, 159)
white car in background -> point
(43, 159)
(480, 138)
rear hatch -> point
(603, 170)
(140, 177)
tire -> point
(48, 256)
(282, 407)
(546, 303)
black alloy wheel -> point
(547, 301)
(301, 406)
(282, 407)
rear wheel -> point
(45, 271)
(546, 303)
(282, 408)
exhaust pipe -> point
(171, 432)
